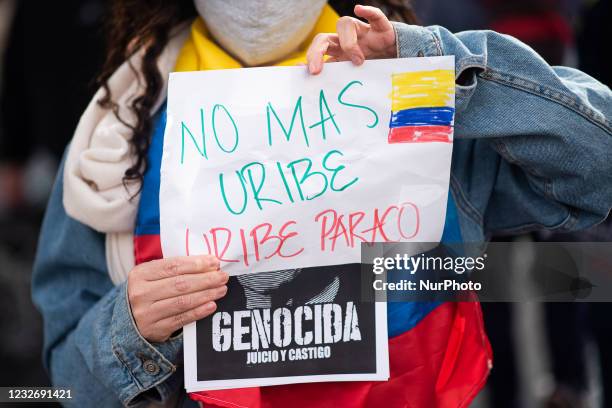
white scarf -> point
(99, 155)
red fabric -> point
(147, 248)
(442, 362)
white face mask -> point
(260, 31)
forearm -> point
(91, 342)
(105, 352)
(549, 125)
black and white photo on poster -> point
(289, 326)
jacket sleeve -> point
(533, 143)
(91, 343)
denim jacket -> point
(533, 148)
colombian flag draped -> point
(439, 353)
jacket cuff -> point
(151, 366)
(415, 41)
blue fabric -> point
(532, 148)
(91, 343)
(147, 220)
(513, 169)
(403, 316)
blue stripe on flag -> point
(147, 220)
(422, 116)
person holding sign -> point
(530, 145)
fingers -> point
(376, 37)
(175, 322)
(348, 37)
(175, 292)
(186, 284)
(341, 46)
(317, 50)
(170, 267)
(183, 303)
(375, 17)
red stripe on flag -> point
(420, 134)
(147, 248)
(442, 362)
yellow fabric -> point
(201, 53)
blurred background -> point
(546, 355)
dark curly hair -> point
(146, 25)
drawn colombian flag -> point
(419, 111)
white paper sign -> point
(272, 168)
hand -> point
(355, 40)
(167, 294)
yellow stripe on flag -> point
(422, 89)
